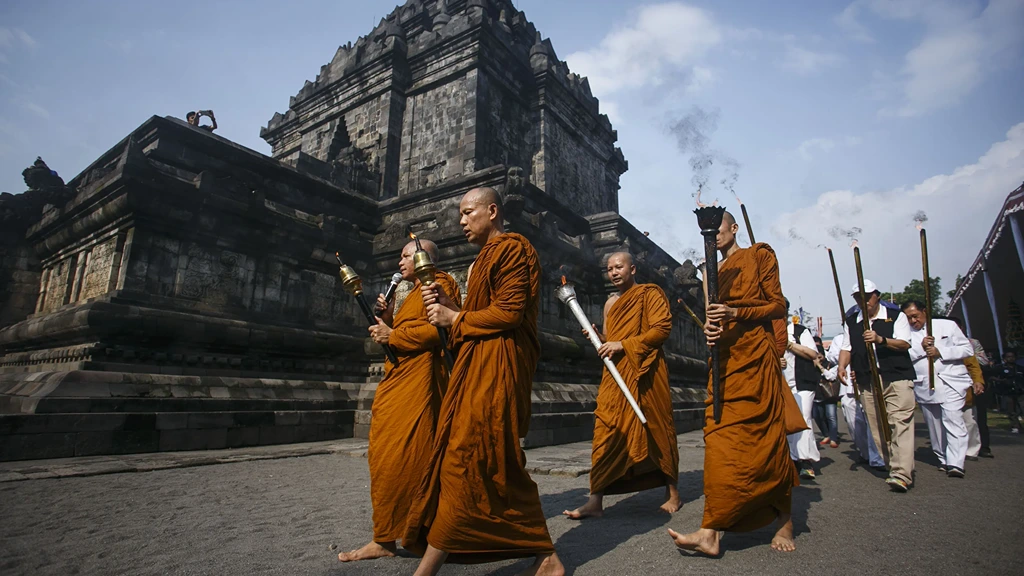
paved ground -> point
(278, 510)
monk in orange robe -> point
(479, 504)
(405, 408)
(629, 456)
(748, 474)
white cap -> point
(869, 287)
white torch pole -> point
(569, 298)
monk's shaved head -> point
(481, 215)
(428, 246)
(621, 271)
(485, 195)
(626, 257)
(406, 266)
(728, 218)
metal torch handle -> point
(596, 341)
(368, 312)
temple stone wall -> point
(182, 291)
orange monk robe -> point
(479, 504)
(405, 411)
(748, 475)
(628, 456)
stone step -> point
(51, 405)
(35, 436)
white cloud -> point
(664, 41)
(807, 147)
(805, 61)
(962, 45)
(36, 109)
(961, 207)
(11, 37)
(24, 38)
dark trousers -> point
(1011, 405)
(826, 419)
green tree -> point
(915, 291)
(951, 293)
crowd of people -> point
(953, 383)
(448, 477)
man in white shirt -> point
(802, 376)
(853, 411)
(889, 335)
(942, 406)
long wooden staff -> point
(927, 303)
(842, 309)
(876, 378)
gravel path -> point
(281, 516)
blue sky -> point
(847, 113)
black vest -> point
(892, 365)
(807, 376)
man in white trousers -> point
(853, 412)
(802, 376)
(942, 406)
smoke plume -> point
(693, 135)
(840, 233)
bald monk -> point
(748, 475)
(405, 408)
(479, 504)
(628, 456)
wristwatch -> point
(884, 340)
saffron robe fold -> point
(405, 409)
(478, 503)
(748, 475)
(628, 456)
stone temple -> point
(182, 293)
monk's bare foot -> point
(672, 502)
(783, 540)
(369, 552)
(594, 508)
(705, 541)
(546, 565)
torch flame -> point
(697, 198)
(563, 281)
(919, 227)
(411, 235)
(853, 244)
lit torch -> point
(921, 219)
(876, 379)
(709, 218)
(567, 294)
(426, 272)
(354, 285)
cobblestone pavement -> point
(279, 510)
